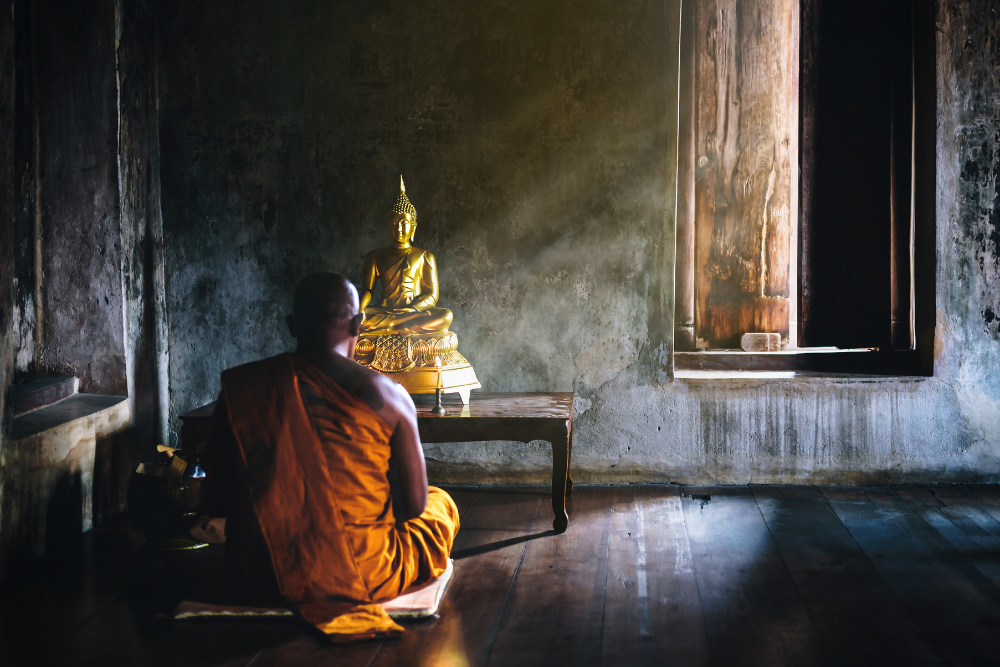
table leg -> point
(569, 462)
(560, 470)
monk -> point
(315, 477)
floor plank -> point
(832, 575)
(965, 528)
(296, 646)
(957, 608)
(21, 583)
(652, 608)
(949, 495)
(115, 635)
(462, 495)
(970, 513)
(923, 493)
(555, 611)
(989, 499)
(753, 612)
(495, 532)
(64, 591)
(206, 644)
(27, 623)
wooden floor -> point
(644, 575)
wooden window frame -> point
(913, 306)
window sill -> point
(802, 363)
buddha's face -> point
(403, 228)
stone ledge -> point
(63, 412)
(50, 472)
(41, 392)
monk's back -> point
(356, 445)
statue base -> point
(412, 361)
(455, 379)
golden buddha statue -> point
(405, 334)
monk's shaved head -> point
(325, 315)
(323, 295)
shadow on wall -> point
(43, 516)
(64, 515)
(115, 457)
(57, 482)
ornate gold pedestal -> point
(410, 360)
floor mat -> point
(417, 602)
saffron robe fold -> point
(313, 475)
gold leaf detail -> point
(393, 354)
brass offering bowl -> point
(163, 502)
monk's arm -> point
(368, 277)
(409, 458)
(220, 489)
(218, 496)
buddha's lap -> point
(405, 313)
(385, 321)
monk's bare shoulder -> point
(394, 404)
(378, 392)
(358, 381)
(397, 400)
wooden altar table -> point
(507, 416)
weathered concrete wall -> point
(81, 329)
(141, 224)
(534, 145)
(24, 182)
(7, 207)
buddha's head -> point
(403, 217)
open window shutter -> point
(848, 67)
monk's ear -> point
(290, 321)
(356, 323)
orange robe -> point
(303, 467)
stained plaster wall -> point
(7, 207)
(79, 242)
(23, 180)
(81, 299)
(536, 141)
(144, 301)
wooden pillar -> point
(684, 334)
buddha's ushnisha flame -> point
(402, 205)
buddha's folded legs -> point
(388, 321)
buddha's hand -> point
(423, 302)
